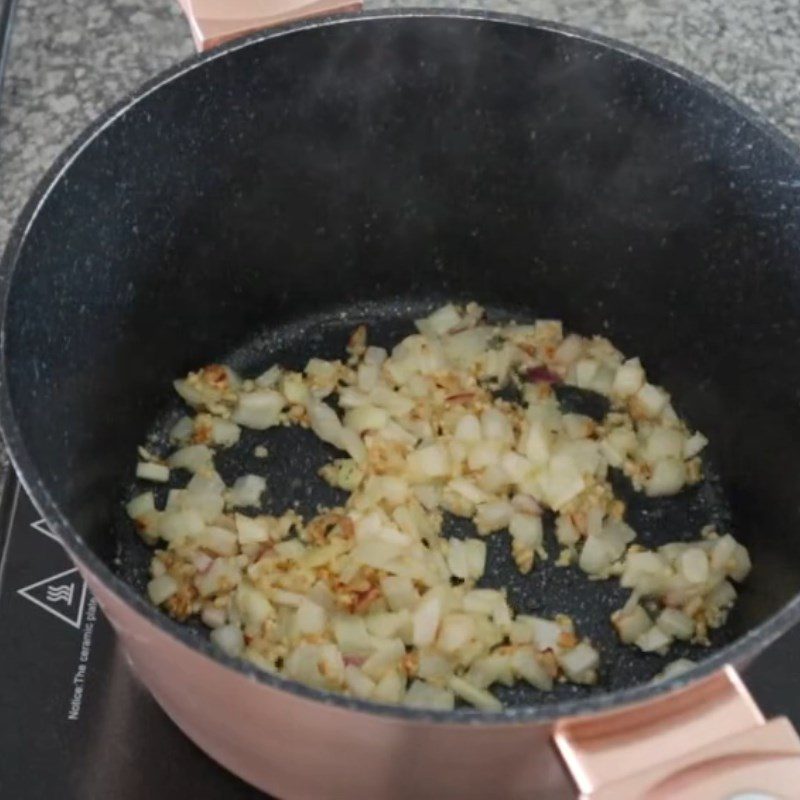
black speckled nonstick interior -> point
(258, 203)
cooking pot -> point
(260, 197)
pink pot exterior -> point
(293, 747)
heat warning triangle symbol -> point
(41, 526)
(62, 595)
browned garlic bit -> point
(370, 599)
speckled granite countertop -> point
(70, 59)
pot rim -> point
(737, 652)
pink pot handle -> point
(216, 21)
(708, 741)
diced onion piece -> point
(527, 529)
(466, 559)
(428, 462)
(663, 443)
(213, 617)
(628, 379)
(722, 596)
(468, 490)
(496, 426)
(311, 618)
(161, 589)
(294, 389)
(260, 409)
(366, 418)
(468, 429)
(358, 683)
(270, 377)
(180, 525)
(492, 668)
(352, 444)
(562, 482)
(535, 445)
(352, 635)
(654, 640)
(149, 471)
(675, 668)
(440, 321)
(517, 467)
(250, 530)
(224, 432)
(394, 402)
(631, 623)
(140, 505)
(194, 458)
(375, 356)
(595, 558)
(479, 698)
(648, 402)
(525, 664)
(399, 592)
(723, 552)
(386, 656)
(584, 372)
(694, 444)
(455, 632)
(426, 620)
(566, 532)
(667, 478)
(246, 491)
(218, 540)
(222, 574)
(390, 689)
(741, 566)
(580, 663)
(389, 624)
(694, 565)
(253, 606)
(425, 695)
(675, 623)
(569, 350)
(493, 516)
(182, 430)
(229, 639)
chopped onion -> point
(675, 623)
(580, 663)
(366, 418)
(161, 589)
(479, 698)
(631, 623)
(229, 639)
(148, 471)
(669, 476)
(246, 491)
(525, 664)
(140, 505)
(628, 380)
(260, 409)
(648, 402)
(654, 640)
(194, 458)
(675, 668)
(426, 620)
(428, 462)
(424, 695)
(372, 597)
